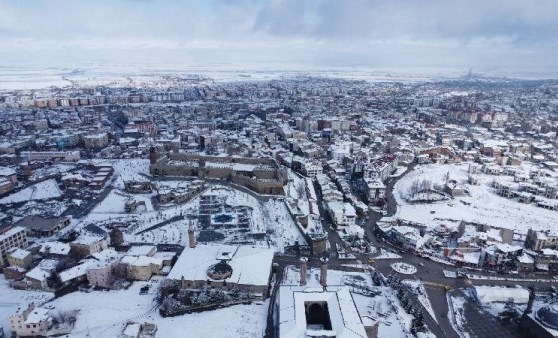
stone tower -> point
(152, 155)
(323, 271)
(191, 236)
(303, 270)
(116, 237)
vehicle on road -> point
(421, 264)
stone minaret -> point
(323, 271)
(152, 155)
(529, 308)
(303, 270)
(191, 236)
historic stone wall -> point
(269, 180)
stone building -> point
(261, 175)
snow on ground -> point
(399, 171)
(116, 199)
(419, 290)
(235, 321)
(104, 314)
(267, 216)
(282, 229)
(173, 233)
(11, 300)
(456, 317)
(127, 170)
(404, 268)
(385, 254)
(55, 169)
(41, 191)
(482, 206)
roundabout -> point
(404, 268)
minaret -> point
(303, 270)
(152, 155)
(191, 236)
(529, 308)
(323, 271)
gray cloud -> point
(455, 33)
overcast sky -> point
(401, 33)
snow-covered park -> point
(171, 220)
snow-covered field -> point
(104, 314)
(127, 170)
(482, 206)
(41, 191)
(115, 200)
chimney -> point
(303, 269)
(191, 236)
(323, 271)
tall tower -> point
(191, 236)
(152, 155)
(323, 271)
(303, 270)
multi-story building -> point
(539, 240)
(49, 155)
(342, 214)
(96, 141)
(13, 238)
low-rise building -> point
(32, 321)
(88, 244)
(320, 312)
(224, 266)
(20, 258)
(43, 227)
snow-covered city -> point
(279, 169)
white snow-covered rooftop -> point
(491, 294)
(251, 266)
(142, 250)
(36, 316)
(56, 248)
(74, 272)
(343, 314)
(20, 253)
(38, 274)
